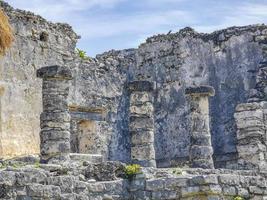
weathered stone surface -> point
(55, 118)
(141, 123)
(105, 171)
(251, 136)
(227, 60)
(201, 150)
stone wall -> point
(227, 60)
(75, 181)
(37, 43)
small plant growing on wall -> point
(82, 54)
(132, 170)
(238, 198)
(177, 171)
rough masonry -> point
(201, 151)
(55, 118)
(141, 123)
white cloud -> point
(141, 23)
(61, 10)
(245, 14)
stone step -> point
(93, 158)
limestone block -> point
(203, 163)
(143, 152)
(188, 191)
(229, 190)
(141, 86)
(251, 149)
(142, 137)
(248, 106)
(51, 147)
(157, 195)
(54, 72)
(55, 116)
(201, 152)
(204, 180)
(48, 125)
(54, 135)
(144, 110)
(155, 184)
(249, 115)
(201, 139)
(137, 123)
(138, 98)
(174, 183)
(199, 123)
(229, 179)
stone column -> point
(142, 123)
(55, 118)
(251, 135)
(201, 151)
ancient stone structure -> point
(141, 123)
(55, 118)
(201, 151)
(133, 106)
(251, 135)
(226, 60)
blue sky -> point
(120, 24)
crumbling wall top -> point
(55, 71)
(203, 90)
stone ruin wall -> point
(226, 60)
(37, 43)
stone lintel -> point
(54, 72)
(202, 90)
(141, 86)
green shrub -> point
(132, 170)
(238, 198)
(177, 171)
(82, 54)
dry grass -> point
(6, 34)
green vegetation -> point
(82, 54)
(14, 165)
(177, 171)
(37, 164)
(132, 170)
(238, 198)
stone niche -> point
(87, 136)
(86, 126)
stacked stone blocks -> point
(141, 123)
(251, 135)
(201, 151)
(55, 118)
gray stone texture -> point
(55, 118)
(227, 60)
(200, 151)
(141, 123)
(251, 135)
(104, 181)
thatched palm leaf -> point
(6, 35)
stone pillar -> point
(201, 151)
(142, 123)
(251, 135)
(55, 118)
